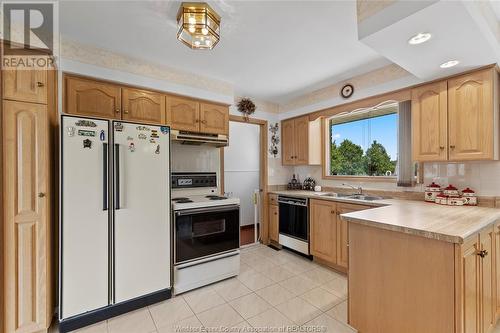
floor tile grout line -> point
(192, 310)
(151, 315)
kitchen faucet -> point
(359, 188)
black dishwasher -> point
(294, 223)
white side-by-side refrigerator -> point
(115, 229)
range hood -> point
(192, 138)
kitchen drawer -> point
(273, 199)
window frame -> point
(325, 147)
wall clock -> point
(347, 91)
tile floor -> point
(274, 289)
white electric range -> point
(206, 233)
(201, 201)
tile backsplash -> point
(483, 177)
(192, 158)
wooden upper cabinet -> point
(143, 106)
(429, 109)
(301, 140)
(25, 85)
(85, 97)
(183, 114)
(471, 116)
(214, 118)
(288, 142)
(323, 230)
(274, 223)
(27, 220)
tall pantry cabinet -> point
(28, 116)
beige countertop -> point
(446, 223)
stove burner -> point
(179, 199)
(184, 200)
(216, 197)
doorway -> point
(244, 173)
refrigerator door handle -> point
(105, 176)
(117, 176)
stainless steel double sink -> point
(351, 196)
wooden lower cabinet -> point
(274, 223)
(27, 217)
(323, 229)
(469, 288)
(488, 281)
(343, 232)
(497, 267)
(418, 284)
(329, 231)
(478, 283)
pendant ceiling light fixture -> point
(199, 25)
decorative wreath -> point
(246, 106)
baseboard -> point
(330, 265)
(111, 311)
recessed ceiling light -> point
(419, 38)
(449, 64)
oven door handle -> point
(206, 210)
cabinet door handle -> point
(39, 84)
(482, 253)
(333, 212)
(441, 147)
(41, 195)
(197, 120)
(125, 111)
(117, 110)
(203, 121)
(452, 146)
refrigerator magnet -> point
(131, 147)
(129, 138)
(142, 136)
(118, 127)
(85, 123)
(143, 128)
(152, 140)
(164, 129)
(102, 135)
(86, 133)
(157, 151)
(87, 144)
(71, 131)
